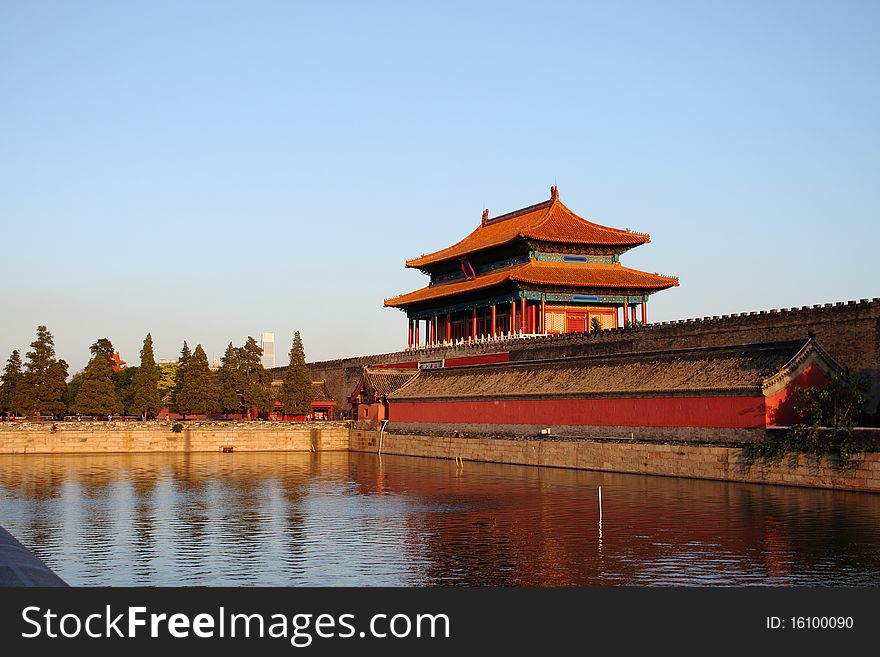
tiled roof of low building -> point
(379, 382)
(550, 221)
(558, 274)
(320, 392)
(711, 370)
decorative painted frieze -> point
(543, 256)
(480, 303)
(583, 298)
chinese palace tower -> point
(535, 271)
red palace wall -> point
(371, 412)
(479, 359)
(736, 412)
(484, 359)
(780, 406)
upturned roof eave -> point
(663, 283)
(528, 232)
(424, 265)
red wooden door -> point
(575, 322)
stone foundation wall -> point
(91, 437)
(720, 435)
(632, 456)
(676, 460)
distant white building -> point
(267, 342)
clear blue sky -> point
(210, 170)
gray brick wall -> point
(850, 331)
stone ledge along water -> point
(637, 456)
(135, 437)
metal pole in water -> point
(600, 523)
(381, 434)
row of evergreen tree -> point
(39, 387)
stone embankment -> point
(678, 459)
(158, 436)
(630, 456)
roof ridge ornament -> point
(485, 217)
(554, 193)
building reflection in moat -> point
(357, 519)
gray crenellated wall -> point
(849, 331)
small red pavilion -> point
(535, 271)
(369, 401)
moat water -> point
(355, 519)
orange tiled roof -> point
(592, 275)
(557, 274)
(549, 221)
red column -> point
(644, 313)
(543, 314)
(474, 324)
(409, 333)
(417, 332)
(432, 334)
(632, 311)
(448, 333)
(494, 324)
(522, 316)
(512, 317)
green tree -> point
(228, 382)
(244, 382)
(104, 347)
(123, 382)
(834, 406)
(255, 395)
(195, 391)
(13, 390)
(167, 379)
(145, 398)
(828, 414)
(180, 375)
(45, 376)
(296, 390)
(98, 396)
(595, 325)
(73, 387)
